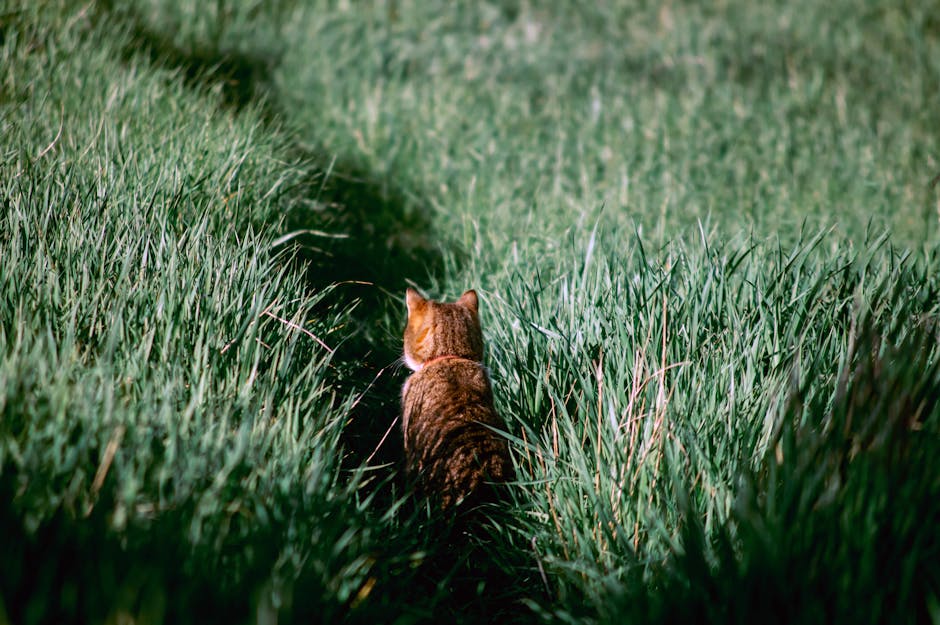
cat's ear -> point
(413, 300)
(469, 301)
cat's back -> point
(449, 388)
(450, 425)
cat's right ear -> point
(413, 300)
(469, 301)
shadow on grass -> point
(71, 571)
(388, 240)
(80, 570)
(347, 226)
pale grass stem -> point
(117, 435)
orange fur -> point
(451, 452)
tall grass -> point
(706, 247)
(757, 398)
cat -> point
(451, 452)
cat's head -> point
(438, 329)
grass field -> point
(707, 247)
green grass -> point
(707, 248)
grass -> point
(707, 247)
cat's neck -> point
(445, 357)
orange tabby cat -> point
(451, 452)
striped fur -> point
(451, 452)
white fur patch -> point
(412, 364)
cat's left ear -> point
(469, 301)
(413, 300)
